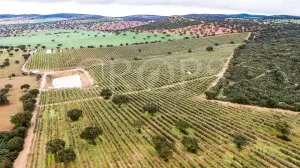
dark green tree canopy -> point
(191, 144)
(34, 92)
(121, 99)
(75, 114)
(284, 128)
(90, 134)
(163, 147)
(240, 140)
(151, 108)
(21, 119)
(55, 145)
(182, 126)
(65, 156)
(210, 48)
(3, 100)
(25, 86)
(106, 93)
(15, 144)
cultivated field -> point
(145, 82)
(213, 125)
(96, 56)
(14, 95)
(78, 38)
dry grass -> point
(14, 94)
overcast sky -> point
(158, 7)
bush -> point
(209, 49)
(121, 99)
(151, 108)
(182, 126)
(34, 92)
(106, 93)
(90, 134)
(190, 51)
(297, 106)
(75, 114)
(65, 156)
(163, 147)
(191, 144)
(55, 145)
(3, 100)
(212, 93)
(240, 140)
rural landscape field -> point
(195, 90)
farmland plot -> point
(212, 125)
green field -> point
(68, 38)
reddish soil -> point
(119, 25)
(13, 96)
(201, 30)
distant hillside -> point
(171, 22)
(143, 18)
(237, 16)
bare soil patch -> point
(84, 77)
(13, 96)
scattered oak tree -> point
(90, 134)
(106, 93)
(8, 86)
(163, 147)
(120, 99)
(75, 114)
(55, 145)
(3, 100)
(209, 49)
(240, 140)
(151, 108)
(25, 86)
(284, 128)
(191, 144)
(65, 156)
(138, 124)
(182, 126)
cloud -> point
(246, 6)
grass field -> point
(13, 96)
(83, 38)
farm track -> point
(22, 158)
